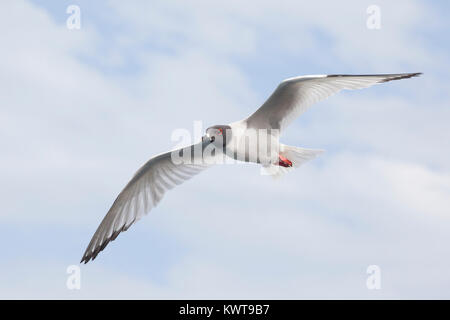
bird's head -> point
(218, 135)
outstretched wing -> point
(144, 191)
(293, 96)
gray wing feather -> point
(293, 96)
(144, 191)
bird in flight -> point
(254, 139)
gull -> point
(161, 173)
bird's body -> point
(245, 144)
(254, 139)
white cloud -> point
(228, 27)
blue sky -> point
(83, 109)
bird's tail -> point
(296, 155)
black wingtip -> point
(92, 255)
(402, 76)
(388, 77)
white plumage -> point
(290, 99)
